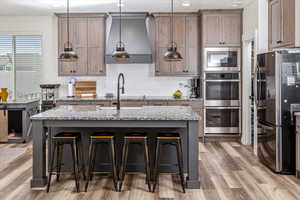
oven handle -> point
(222, 80)
(223, 108)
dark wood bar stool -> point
(73, 139)
(138, 139)
(172, 139)
(98, 139)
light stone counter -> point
(94, 112)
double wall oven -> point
(222, 91)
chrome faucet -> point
(121, 75)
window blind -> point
(27, 53)
(20, 64)
(6, 48)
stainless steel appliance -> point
(222, 120)
(222, 89)
(280, 73)
(222, 59)
(195, 86)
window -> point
(20, 64)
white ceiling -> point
(47, 7)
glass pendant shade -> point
(68, 55)
(120, 54)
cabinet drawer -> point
(157, 103)
(133, 103)
(178, 103)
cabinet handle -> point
(220, 42)
(157, 71)
(278, 42)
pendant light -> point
(172, 54)
(120, 54)
(68, 55)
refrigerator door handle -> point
(269, 128)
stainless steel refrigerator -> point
(278, 87)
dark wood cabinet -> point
(221, 28)
(87, 35)
(185, 32)
(281, 23)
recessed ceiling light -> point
(120, 4)
(57, 5)
(186, 3)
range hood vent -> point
(134, 35)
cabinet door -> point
(178, 68)
(3, 125)
(78, 38)
(211, 30)
(78, 32)
(231, 30)
(80, 67)
(298, 151)
(162, 42)
(161, 66)
(65, 69)
(288, 22)
(275, 23)
(163, 31)
(192, 43)
(96, 45)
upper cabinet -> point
(281, 23)
(186, 34)
(221, 28)
(87, 35)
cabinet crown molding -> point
(81, 15)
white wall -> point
(140, 79)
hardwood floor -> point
(228, 171)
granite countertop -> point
(20, 102)
(93, 112)
(128, 98)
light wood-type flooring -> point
(228, 171)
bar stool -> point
(59, 140)
(97, 139)
(139, 139)
(173, 139)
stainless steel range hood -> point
(134, 35)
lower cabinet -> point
(3, 126)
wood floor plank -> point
(228, 170)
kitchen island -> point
(88, 118)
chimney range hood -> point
(134, 35)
